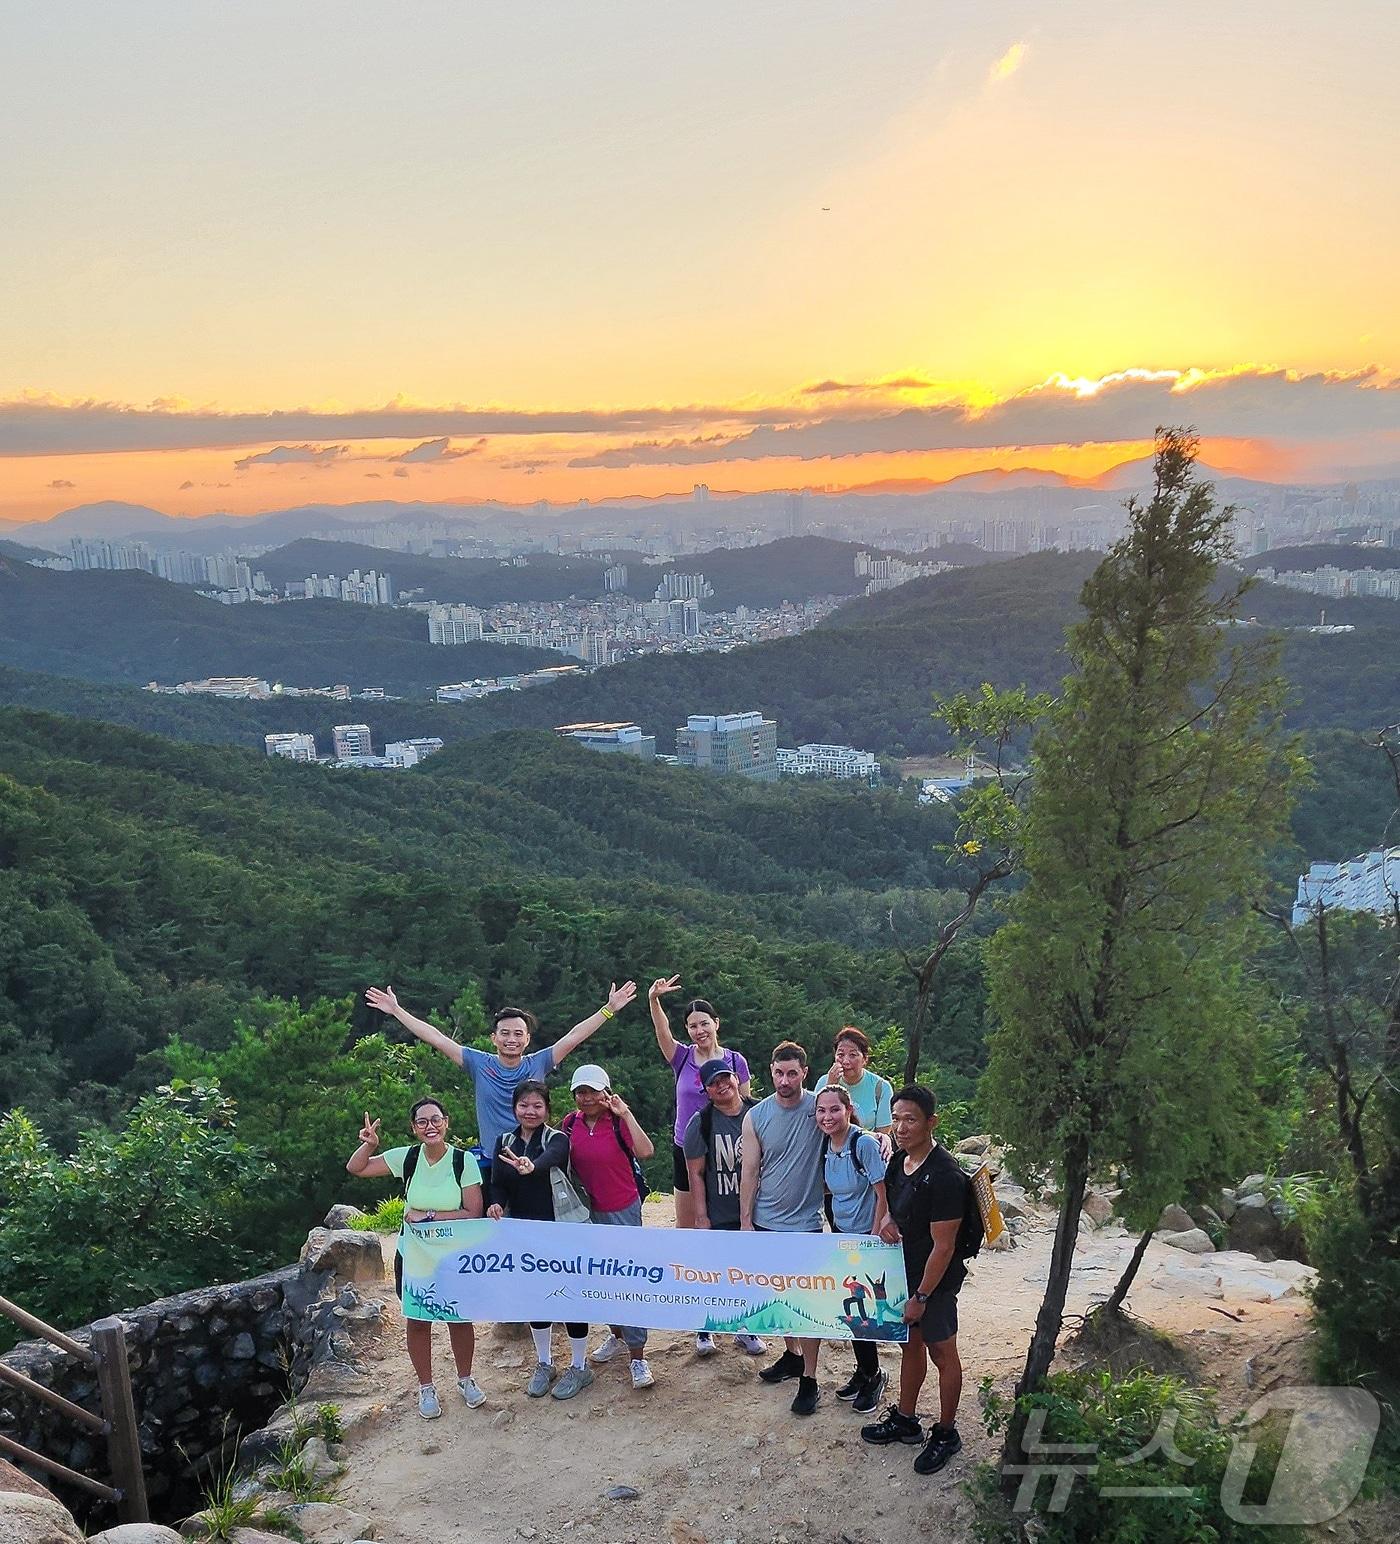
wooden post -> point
(123, 1439)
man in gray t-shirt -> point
(780, 1191)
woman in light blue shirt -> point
(854, 1169)
(870, 1093)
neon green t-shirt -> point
(434, 1186)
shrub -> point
(387, 1217)
(1118, 1417)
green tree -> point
(1161, 779)
(134, 1214)
(301, 1084)
(986, 846)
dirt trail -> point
(716, 1455)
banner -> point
(834, 1286)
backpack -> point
(707, 1119)
(410, 1165)
(829, 1205)
(638, 1176)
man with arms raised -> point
(780, 1191)
(927, 1194)
(495, 1077)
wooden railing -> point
(117, 1422)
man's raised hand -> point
(383, 999)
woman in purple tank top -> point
(685, 1058)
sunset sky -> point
(262, 254)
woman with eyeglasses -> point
(441, 1183)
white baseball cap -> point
(589, 1076)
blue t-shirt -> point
(852, 1193)
(495, 1089)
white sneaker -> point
(705, 1345)
(613, 1346)
(641, 1374)
(428, 1406)
(471, 1393)
(753, 1345)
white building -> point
(454, 624)
(1367, 882)
(615, 578)
(829, 761)
(619, 739)
(225, 686)
(408, 753)
(295, 747)
(352, 742)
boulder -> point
(1175, 1219)
(351, 1256)
(1208, 1218)
(335, 1380)
(974, 1145)
(318, 1461)
(12, 1479)
(1012, 1207)
(327, 1522)
(1254, 1228)
(341, 1215)
(1225, 1204)
(136, 1533)
(256, 1536)
(1097, 1208)
(26, 1519)
(1250, 1185)
(1192, 1240)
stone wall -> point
(205, 1365)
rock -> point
(1225, 1204)
(1097, 1208)
(1257, 1286)
(341, 1215)
(1192, 1240)
(1254, 1228)
(26, 1519)
(242, 1348)
(1011, 1209)
(335, 1380)
(975, 1145)
(327, 1522)
(1251, 1185)
(136, 1533)
(318, 1461)
(256, 1536)
(1208, 1218)
(12, 1479)
(352, 1256)
(502, 1418)
(1175, 1219)
(622, 1493)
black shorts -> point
(679, 1173)
(940, 1318)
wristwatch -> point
(429, 1216)
(920, 1297)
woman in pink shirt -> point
(605, 1144)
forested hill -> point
(1305, 559)
(151, 888)
(136, 628)
(867, 678)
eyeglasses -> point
(430, 1120)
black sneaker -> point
(943, 1442)
(808, 1393)
(893, 1428)
(852, 1386)
(788, 1365)
(871, 1393)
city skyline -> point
(330, 254)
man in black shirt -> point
(928, 1195)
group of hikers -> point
(855, 1153)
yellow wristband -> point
(607, 1013)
